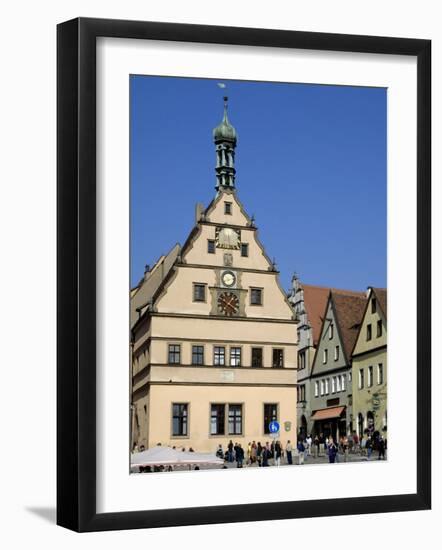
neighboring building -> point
(214, 340)
(370, 366)
(331, 386)
(309, 304)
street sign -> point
(274, 427)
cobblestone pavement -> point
(309, 460)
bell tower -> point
(224, 136)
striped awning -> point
(330, 412)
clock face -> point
(228, 278)
(228, 303)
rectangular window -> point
(316, 389)
(322, 387)
(217, 419)
(379, 329)
(199, 292)
(256, 296)
(301, 360)
(343, 381)
(197, 355)
(270, 413)
(227, 207)
(278, 358)
(235, 419)
(370, 377)
(369, 332)
(349, 377)
(179, 419)
(361, 379)
(380, 373)
(219, 355)
(327, 386)
(336, 353)
(244, 250)
(174, 354)
(338, 383)
(301, 393)
(373, 305)
(333, 384)
(256, 357)
(210, 246)
(235, 357)
(325, 356)
(330, 331)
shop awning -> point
(330, 412)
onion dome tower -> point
(224, 136)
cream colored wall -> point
(217, 215)
(159, 352)
(200, 398)
(198, 254)
(362, 344)
(178, 296)
(365, 354)
(224, 332)
(362, 399)
(222, 375)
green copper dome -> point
(225, 131)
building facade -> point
(309, 303)
(369, 367)
(331, 378)
(214, 339)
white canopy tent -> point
(166, 456)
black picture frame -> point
(76, 273)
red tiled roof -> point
(349, 309)
(315, 300)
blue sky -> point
(311, 167)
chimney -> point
(199, 209)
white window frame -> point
(317, 388)
(324, 356)
(336, 353)
(370, 376)
(343, 382)
(322, 387)
(333, 384)
(361, 379)
(380, 368)
(338, 383)
(327, 386)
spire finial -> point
(224, 136)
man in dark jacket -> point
(239, 456)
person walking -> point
(278, 453)
(369, 447)
(239, 456)
(309, 444)
(316, 446)
(288, 452)
(253, 453)
(259, 451)
(332, 450)
(301, 449)
(230, 450)
(381, 448)
(265, 455)
(219, 451)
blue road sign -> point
(274, 427)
